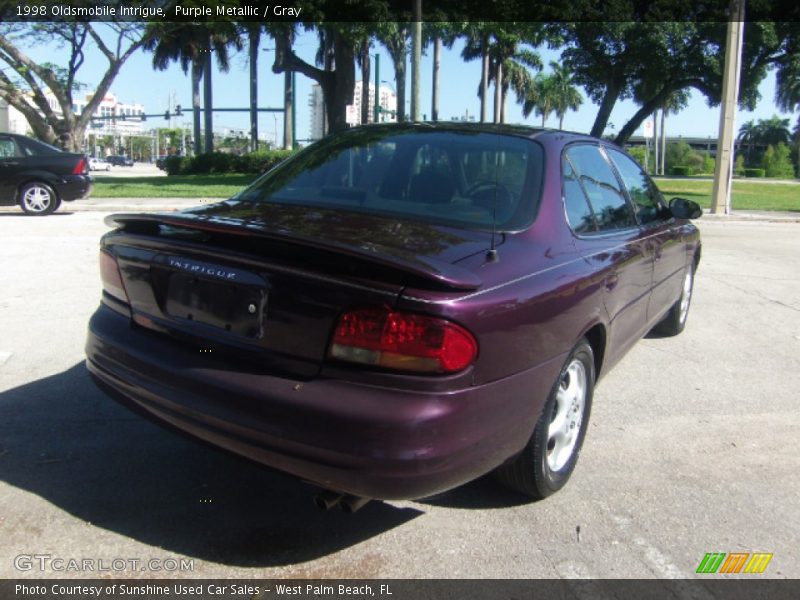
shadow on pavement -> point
(483, 493)
(65, 441)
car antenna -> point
(491, 255)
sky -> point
(139, 83)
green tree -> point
(777, 162)
(566, 96)
(395, 37)
(648, 60)
(25, 83)
(191, 45)
(748, 136)
(540, 97)
(772, 131)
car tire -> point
(38, 199)
(675, 321)
(548, 460)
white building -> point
(117, 118)
(387, 100)
(122, 119)
(11, 120)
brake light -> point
(404, 341)
(82, 168)
(111, 277)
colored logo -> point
(735, 562)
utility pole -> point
(437, 51)
(254, 39)
(416, 46)
(723, 172)
(377, 86)
(288, 99)
(208, 116)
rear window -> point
(456, 177)
(37, 148)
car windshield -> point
(460, 177)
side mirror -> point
(681, 208)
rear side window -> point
(462, 178)
(643, 193)
(8, 148)
(610, 207)
(579, 213)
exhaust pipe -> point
(351, 504)
(327, 499)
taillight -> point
(405, 341)
(112, 279)
(82, 168)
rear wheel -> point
(38, 199)
(675, 321)
(546, 463)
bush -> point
(709, 164)
(173, 164)
(258, 162)
(753, 172)
(221, 162)
(681, 171)
(777, 162)
(738, 166)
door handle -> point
(611, 281)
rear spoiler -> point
(436, 271)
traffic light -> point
(178, 111)
(143, 117)
(166, 115)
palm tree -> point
(566, 96)
(773, 131)
(508, 63)
(540, 97)
(394, 37)
(787, 91)
(191, 45)
(748, 135)
(253, 32)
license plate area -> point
(235, 308)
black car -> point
(39, 177)
(120, 161)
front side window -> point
(610, 207)
(454, 177)
(641, 189)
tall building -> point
(117, 118)
(387, 100)
(120, 118)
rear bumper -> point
(74, 187)
(368, 441)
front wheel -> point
(675, 321)
(546, 463)
(38, 199)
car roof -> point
(496, 128)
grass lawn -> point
(747, 194)
(175, 186)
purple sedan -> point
(398, 309)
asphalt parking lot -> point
(692, 448)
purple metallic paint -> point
(377, 434)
